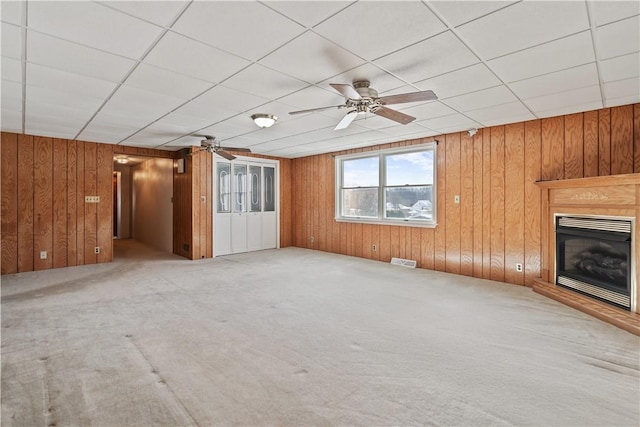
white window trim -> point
(404, 222)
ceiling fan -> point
(360, 98)
(210, 144)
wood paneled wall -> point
(44, 182)
(497, 222)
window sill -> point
(398, 222)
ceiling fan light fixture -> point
(264, 120)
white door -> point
(222, 217)
(239, 214)
(246, 215)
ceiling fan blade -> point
(426, 95)
(315, 109)
(226, 155)
(346, 120)
(236, 149)
(346, 90)
(394, 115)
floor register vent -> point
(404, 262)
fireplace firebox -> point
(593, 257)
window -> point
(390, 186)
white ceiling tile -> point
(226, 130)
(308, 13)
(168, 132)
(437, 55)
(105, 132)
(154, 136)
(564, 99)
(621, 88)
(41, 109)
(557, 55)
(11, 11)
(178, 53)
(46, 95)
(403, 130)
(158, 12)
(428, 110)
(481, 99)
(554, 112)
(604, 12)
(166, 82)
(52, 126)
(560, 81)
(141, 103)
(469, 79)
(448, 122)
(460, 12)
(371, 121)
(311, 58)
(381, 34)
(120, 119)
(509, 119)
(621, 67)
(300, 124)
(241, 29)
(93, 25)
(145, 142)
(11, 95)
(523, 25)
(11, 69)
(223, 98)
(312, 97)
(96, 136)
(11, 120)
(264, 82)
(63, 81)
(625, 100)
(501, 112)
(63, 55)
(618, 38)
(180, 118)
(11, 41)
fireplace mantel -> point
(615, 196)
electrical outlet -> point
(43, 254)
(456, 199)
(92, 199)
(519, 268)
(374, 248)
(97, 249)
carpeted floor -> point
(296, 337)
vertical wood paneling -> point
(604, 142)
(466, 205)
(25, 202)
(426, 248)
(573, 146)
(385, 243)
(60, 231)
(532, 211)
(43, 202)
(195, 198)
(622, 139)
(9, 203)
(104, 209)
(477, 204)
(440, 256)
(514, 150)
(497, 203)
(636, 138)
(452, 220)
(590, 144)
(486, 203)
(80, 205)
(90, 209)
(72, 203)
(209, 212)
(552, 148)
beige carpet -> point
(296, 337)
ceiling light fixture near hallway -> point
(264, 120)
(123, 160)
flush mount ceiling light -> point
(264, 120)
(123, 160)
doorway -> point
(246, 205)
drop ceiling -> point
(151, 73)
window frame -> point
(382, 178)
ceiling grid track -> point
(23, 64)
(594, 30)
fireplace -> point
(593, 257)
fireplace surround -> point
(611, 203)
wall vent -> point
(404, 262)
